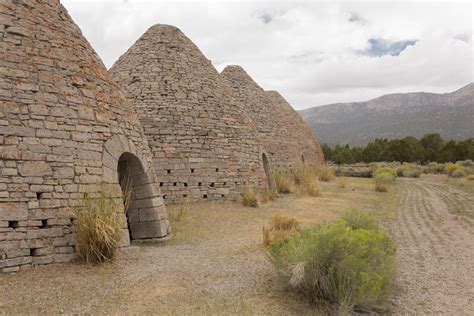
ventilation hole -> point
(175, 184)
(33, 252)
(212, 184)
(225, 183)
(192, 170)
(217, 169)
(222, 195)
(204, 196)
(199, 184)
(185, 184)
(185, 195)
(39, 195)
(44, 223)
(164, 197)
(168, 171)
(161, 184)
(13, 224)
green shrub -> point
(250, 197)
(408, 171)
(338, 264)
(383, 177)
(357, 219)
(434, 167)
(99, 227)
(325, 173)
(282, 182)
(458, 173)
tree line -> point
(430, 148)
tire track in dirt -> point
(435, 250)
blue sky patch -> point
(379, 47)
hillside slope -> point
(394, 116)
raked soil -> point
(434, 229)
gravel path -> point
(434, 229)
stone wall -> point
(204, 145)
(64, 128)
(283, 133)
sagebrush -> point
(338, 264)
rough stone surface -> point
(204, 145)
(283, 133)
(64, 128)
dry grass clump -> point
(307, 181)
(279, 228)
(325, 173)
(470, 178)
(342, 182)
(383, 177)
(282, 182)
(269, 194)
(182, 213)
(250, 197)
(99, 227)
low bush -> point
(99, 227)
(325, 173)
(408, 171)
(279, 228)
(282, 182)
(458, 173)
(338, 264)
(307, 181)
(383, 177)
(434, 167)
(357, 219)
(250, 197)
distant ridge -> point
(394, 116)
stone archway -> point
(268, 171)
(124, 164)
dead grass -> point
(280, 227)
(214, 264)
(250, 197)
(283, 183)
(325, 173)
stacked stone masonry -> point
(286, 138)
(204, 145)
(65, 128)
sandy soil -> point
(434, 229)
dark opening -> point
(302, 158)
(185, 184)
(174, 184)
(185, 195)
(212, 184)
(33, 252)
(39, 195)
(225, 183)
(222, 195)
(204, 196)
(161, 184)
(217, 169)
(168, 171)
(199, 184)
(44, 223)
(137, 192)
(13, 224)
(192, 170)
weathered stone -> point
(35, 169)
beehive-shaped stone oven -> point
(204, 145)
(65, 128)
(283, 133)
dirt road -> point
(434, 229)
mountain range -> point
(394, 116)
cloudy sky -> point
(313, 53)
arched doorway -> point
(268, 171)
(140, 199)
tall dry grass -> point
(99, 226)
(306, 179)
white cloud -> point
(307, 51)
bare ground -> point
(434, 229)
(215, 264)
